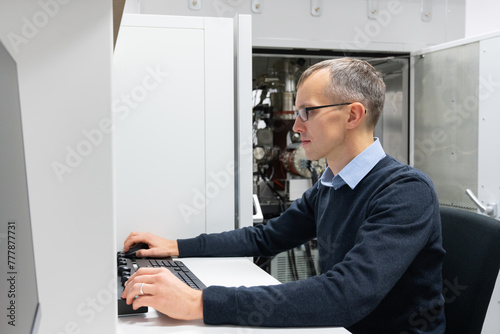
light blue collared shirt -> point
(355, 170)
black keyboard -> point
(128, 266)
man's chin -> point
(311, 156)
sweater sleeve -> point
(293, 228)
(399, 225)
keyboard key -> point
(165, 264)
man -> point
(376, 221)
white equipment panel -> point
(63, 52)
(175, 132)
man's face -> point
(323, 134)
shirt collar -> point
(355, 170)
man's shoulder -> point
(391, 169)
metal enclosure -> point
(446, 121)
(455, 107)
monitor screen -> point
(18, 289)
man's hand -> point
(164, 292)
(158, 247)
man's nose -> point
(298, 126)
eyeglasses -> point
(304, 112)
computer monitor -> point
(20, 311)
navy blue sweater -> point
(380, 255)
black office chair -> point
(470, 268)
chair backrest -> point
(470, 267)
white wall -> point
(392, 25)
(481, 16)
(63, 51)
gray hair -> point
(353, 80)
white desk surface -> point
(240, 271)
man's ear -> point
(357, 115)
